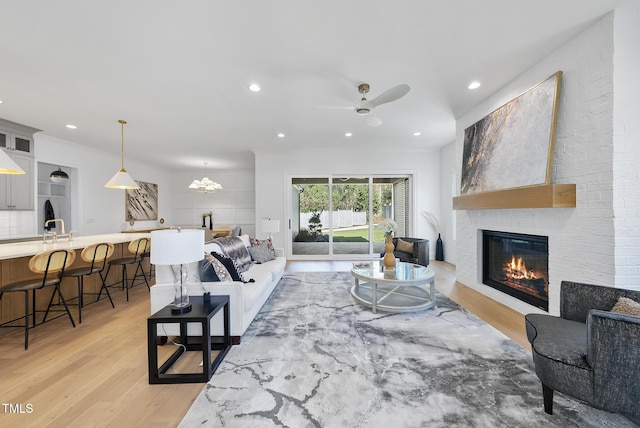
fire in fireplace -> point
(518, 265)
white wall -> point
(447, 185)
(233, 205)
(626, 144)
(273, 170)
(582, 241)
(96, 209)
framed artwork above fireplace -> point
(512, 146)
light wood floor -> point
(96, 374)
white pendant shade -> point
(7, 165)
(122, 180)
(176, 246)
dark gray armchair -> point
(420, 254)
(589, 353)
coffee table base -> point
(393, 298)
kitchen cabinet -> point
(11, 141)
(16, 190)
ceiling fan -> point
(365, 106)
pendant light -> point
(8, 165)
(59, 176)
(205, 185)
(122, 179)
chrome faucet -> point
(53, 235)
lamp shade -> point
(59, 176)
(7, 165)
(270, 226)
(122, 180)
(176, 246)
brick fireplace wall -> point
(597, 147)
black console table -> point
(201, 313)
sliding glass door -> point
(335, 216)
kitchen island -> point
(14, 261)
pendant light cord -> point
(122, 122)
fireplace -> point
(518, 265)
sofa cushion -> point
(261, 253)
(626, 306)
(558, 339)
(220, 270)
(256, 241)
(207, 270)
(231, 266)
(404, 246)
(254, 290)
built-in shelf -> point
(539, 196)
(46, 188)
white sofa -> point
(245, 299)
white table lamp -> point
(269, 226)
(178, 248)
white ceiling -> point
(178, 71)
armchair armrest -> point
(421, 251)
(613, 352)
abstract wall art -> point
(513, 145)
(142, 203)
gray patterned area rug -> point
(315, 358)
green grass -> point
(357, 235)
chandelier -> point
(205, 185)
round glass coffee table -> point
(407, 288)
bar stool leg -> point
(64, 302)
(80, 301)
(26, 318)
(105, 288)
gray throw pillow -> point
(261, 253)
(207, 271)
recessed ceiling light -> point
(416, 134)
(254, 87)
(474, 85)
(70, 126)
(1, 101)
(280, 135)
(348, 134)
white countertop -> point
(30, 248)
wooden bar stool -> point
(96, 255)
(136, 247)
(52, 264)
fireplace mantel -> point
(538, 196)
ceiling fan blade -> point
(374, 121)
(389, 95)
(336, 107)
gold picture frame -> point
(512, 146)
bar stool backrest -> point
(97, 253)
(139, 246)
(51, 261)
